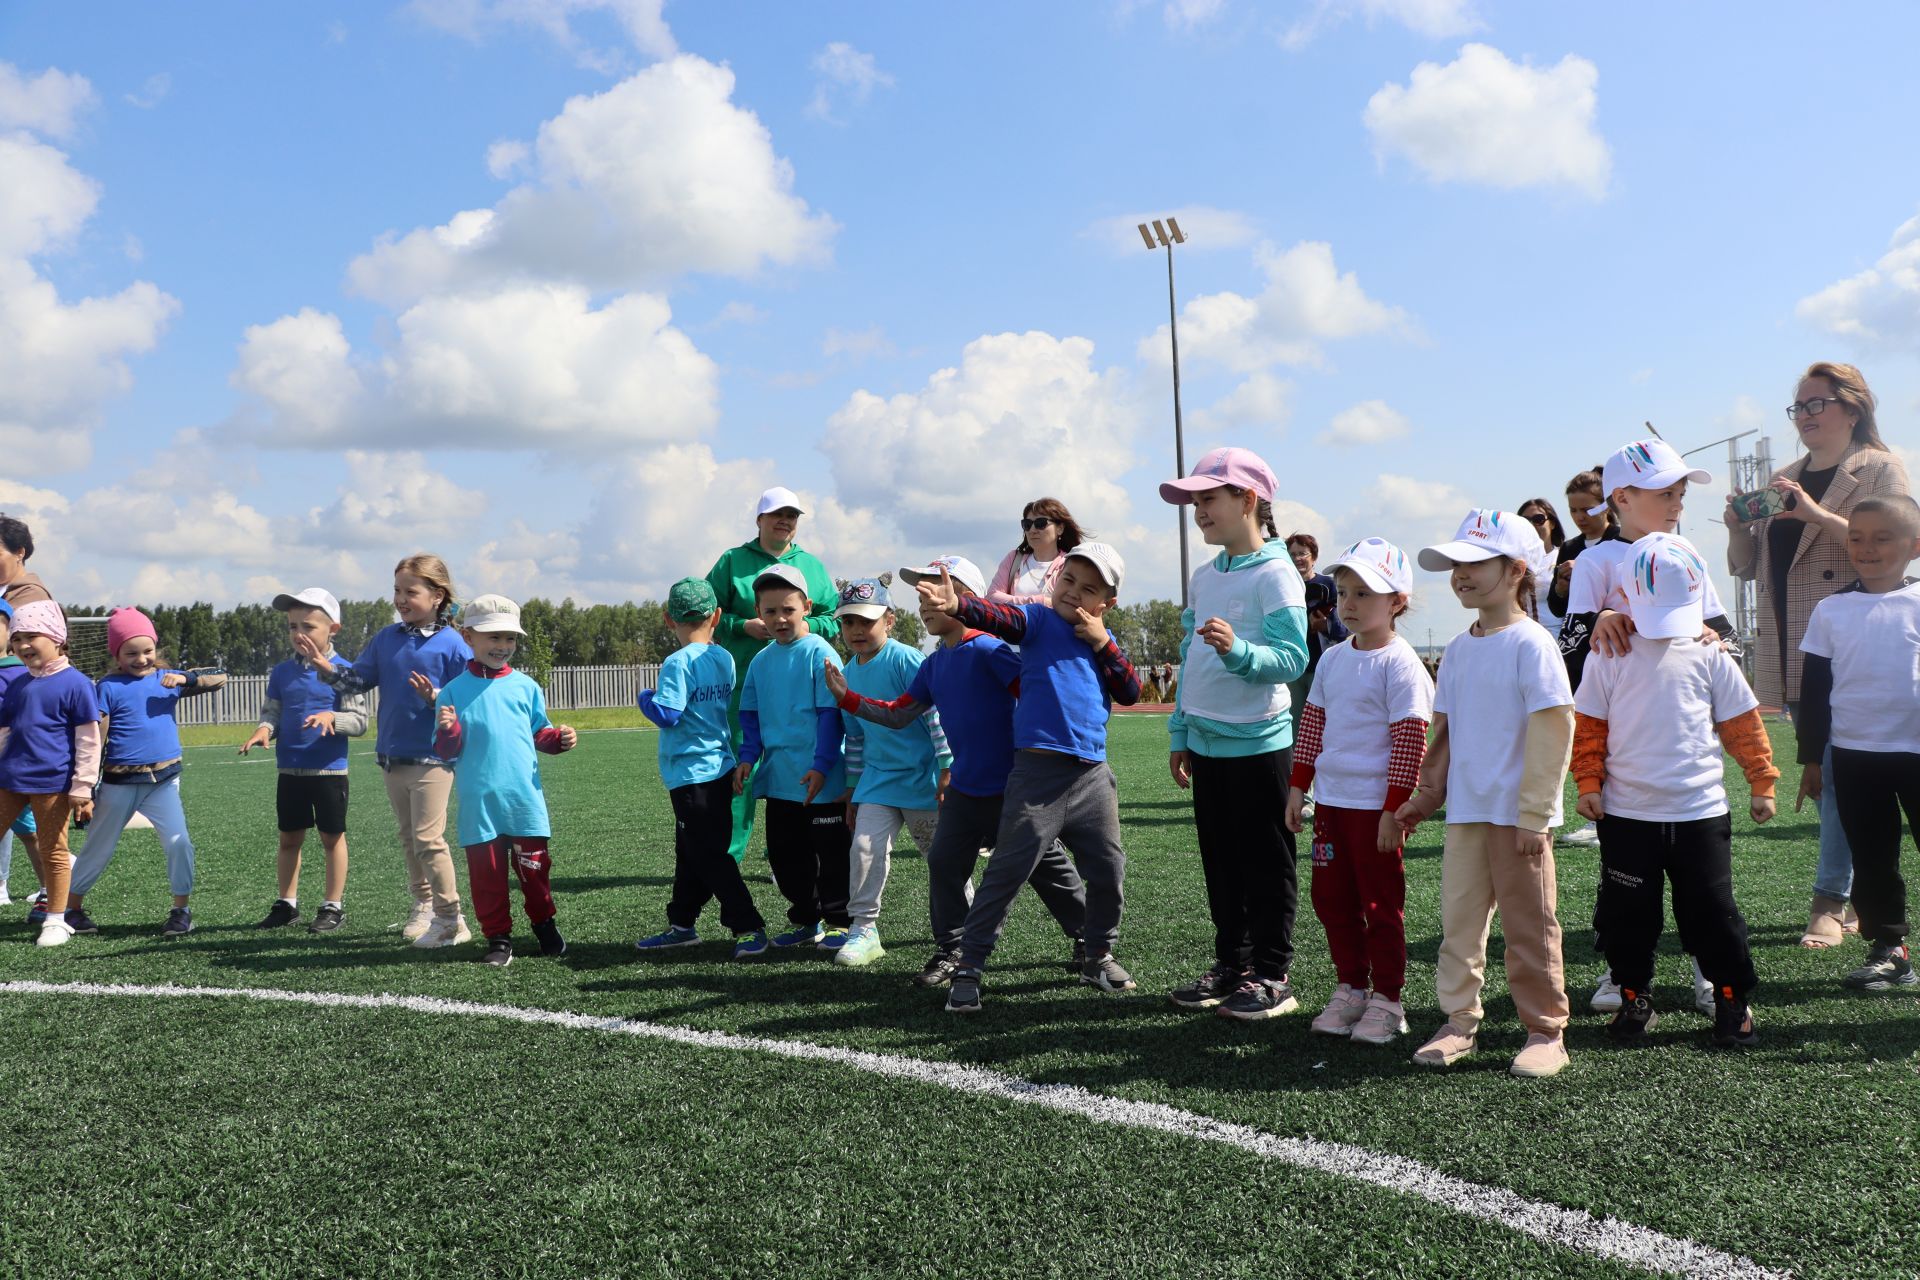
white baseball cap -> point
(1645, 464)
(865, 598)
(309, 598)
(959, 568)
(784, 573)
(1484, 534)
(1378, 563)
(491, 614)
(1667, 589)
(1105, 560)
(777, 498)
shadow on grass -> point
(590, 884)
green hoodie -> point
(732, 578)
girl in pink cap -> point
(1231, 732)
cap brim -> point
(873, 611)
(494, 629)
(1443, 557)
(1182, 491)
(1670, 622)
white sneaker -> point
(417, 921)
(1342, 1011)
(1383, 1021)
(862, 947)
(1702, 991)
(54, 933)
(444, 931)
(1588, 835)
(1606, 996)
(6, 899)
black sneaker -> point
(1257, 998)
(963, 990)
(80, 922)
(327, 919)
(499, 952)
(1733, 1025)
(1636, 1018)
(1078, 961)
(281, 913)
(551, 943)
(1211, 988)
(179, 923)
(1886, 968)
(938, 970)
(1105, 973)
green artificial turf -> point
(290, 1140)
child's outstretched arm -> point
(1547, 750)
(1008, 621)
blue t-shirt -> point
(12, 669)
(897, 767)
(1063, 704)
(43, 712)
(786, 684)
(140, 724)
(406, 719)
(972, 683)
(498, 772)
(697, 681)
(302, 693)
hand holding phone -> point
(1759, 504)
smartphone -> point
(1759, 504)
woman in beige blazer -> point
(1799, 558)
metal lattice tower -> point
(1747, 474)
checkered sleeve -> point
(1409, 752)
(1008, 621)
(1307, 737)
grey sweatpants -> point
(967, 825)
(1052, 797)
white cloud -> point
(847, 77)
(392, 500)
(1410, 513)
(1880, 305)
(738, 313)
(299, 368)
(507, 157)
(1307, 301)
(1485, 119)
(150, 94)
(523, 563)
(860, 344)
(1369, 422)
(640, 21)
(1262, 402)
(1204, 226)
(659, 176)
(1434, 19)
(48, 104)
(1185, 15)
(43, 201)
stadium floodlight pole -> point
(1167, 236)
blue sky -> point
(1444, 253)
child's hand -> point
(1532, 844)
(1588, 806)
(448, 718)
(1217, 632)
(1295, 816)
(321, 720)
(1416, 810)
(1709, 636)
(1762, 809)
(82, 811)
(171, 679)
(1090, 628)
(941, 595)
(308, 651)
(940, 793)
(1612, 634)
(740, 776)
(1180, 765)
(1809, 785)
(836, 681)
(568, 738)
(813, 780)
(423, 686)
(261, 737)
(1388, 838)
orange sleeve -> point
(1589, 753)
(1745, 738)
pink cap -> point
(1241, 468)
(41, 618)
(128, 624)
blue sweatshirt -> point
(405, 732)
(973, 683)
(1066, 688)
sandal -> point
(1849, 921)
(1824, 924)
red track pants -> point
(1360, 895)
(487, 873)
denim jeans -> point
(1833, 875)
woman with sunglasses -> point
(1546, 522)
(1047, 532)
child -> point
(12, 669)
(409, 662)
(898, 776)
(1060, 787)
(1502, 732)
(142, 770)
(1231, 733)
(491, 720)
(50, 753)
(976, 677)
(312, 721)
(1648, 766)
(1860, 695)
(790, 749)
(1363, 735)
(696, 763)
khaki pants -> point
(1481, 868)
(54, 865)
(419, 795)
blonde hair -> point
(432, 570)
(1851, 390)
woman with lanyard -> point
(1026, 574)
(741, 633)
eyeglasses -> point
(1812, 408)
(1538, 517)
(1038, 522)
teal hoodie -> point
(1282, 656)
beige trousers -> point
(419, 795)
(54, 865)
(1481, 869)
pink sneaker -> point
(1383, 1022)
(1540, 1057)
(1342, 1011)
(1448, 1046)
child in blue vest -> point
(491, 721)
(311, 721)
(1060, 787)
(696, 764)
(790, 749)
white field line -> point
(1573, 1229)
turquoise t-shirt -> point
(897, 767)
(697, 681)
(786, 684)
(498, 772)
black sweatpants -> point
(807, 847)
(703, 869)
(1872, 787)
(1636, 858)
(1247, 855)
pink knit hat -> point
(41, 618)
(128, 624)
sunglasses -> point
(1037, 522)
(1538, 517)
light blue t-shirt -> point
(786, 684)
(897, 767)
(498, 772)
(697, 681)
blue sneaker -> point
(668, 939)
(833, 939)
(749, 945)
(800, 935)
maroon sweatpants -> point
(487, 874)
(1360, 895)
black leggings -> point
(1871, 788)
(1247, 854)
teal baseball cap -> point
(691, 598)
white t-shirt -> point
(1600, 581)
(1873, 642)
(1030, 578)
(1488, 687)
(1661, 701)
(1244, 597)
(1364, 692)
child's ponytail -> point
(1263, 512)
(1528, 593)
